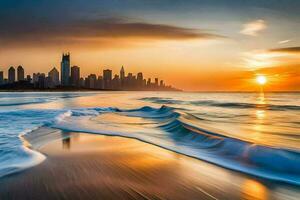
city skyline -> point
(69, 77)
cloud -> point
(284, 41)
(103, 32)
(291, 50)
(253, 28)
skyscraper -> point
(75, 76)
(122, 73)
(156, 82)
(65, 70)
(140, 79)
(28, 78)
(140, 76)
(11, 75)
(107, 76)
(149, 82)
(1, 77)
(91, 81)
(161, 83)
(35, 77)
(20, 73)
(41, 80)
(54, 75)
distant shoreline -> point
(107, 90)
(82, 90)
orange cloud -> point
(291, 50)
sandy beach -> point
(86, 166)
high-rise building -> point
(75, 76)
(91, 81)
(149, 82)
(35, 77)
(53, 74)
(65, 70)
(41, 83)
(116, 83)
(122, 73)
(140, 79)
(11, 75)
(81, 82)
(107, 77)
(99, 84)
(28, 78)
(20, 73)
(162, 83)
(156, 82)
(140, 76)
(1, 78)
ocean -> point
(253, 133)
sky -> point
(195, 45)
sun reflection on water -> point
(260, 117)
(254, 190)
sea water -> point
(254, 133)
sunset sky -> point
(197, 45)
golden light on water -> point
(254, 190)
(261, 79)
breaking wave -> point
(180, 132)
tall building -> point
(41, 83)
(11, 75)
(107, 77)
(1, 77)
(99, 84)
(75, 76)
(81, 82)
(38, 80)
(28, 78)
(91, 81)
(116, 83)
(35, 77)
(140, 76)
(156, 82)
(53, 74)
(149, 82)
(20, 73)
(140, 79)
(162, 83)
(65, 70)
(122, 73)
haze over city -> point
(198, 45)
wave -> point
(26, 158)
(166, 127)
(16, 153)
(235, 105)
(180, 132)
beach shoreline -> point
(88, 166)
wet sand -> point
(85, 166)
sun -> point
(261, 79)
